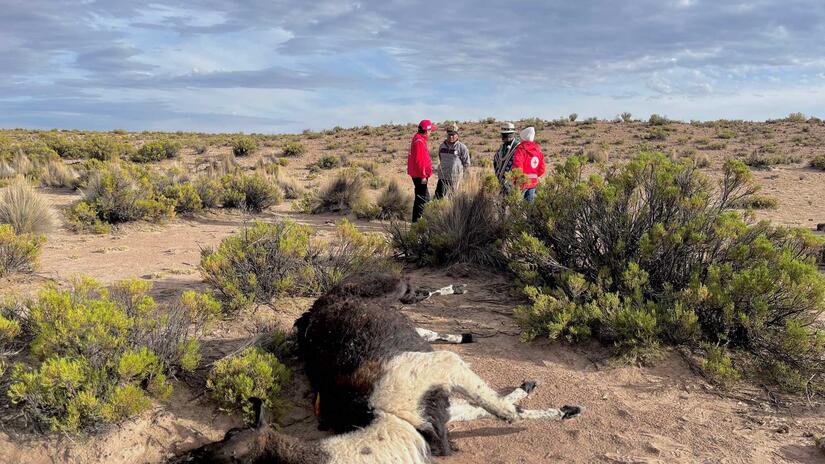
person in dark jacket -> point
(420, 166)
(453, 163)
(503, 159)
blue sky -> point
(284, 66)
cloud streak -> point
(104, 64)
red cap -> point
(426, 124)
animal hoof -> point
(569, 412)
(467, 338)
(528, 386)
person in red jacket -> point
(420, 166)
(529, 159)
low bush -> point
(105, 148)
(118, 192)
(156, 151)
(650, 253)
(291, 188)
(254, 192)
(18, 253)
(261, 262)
(209, 190)
(796, 117)
(328, 162)
(99, 356)
(186, 198)
(465, 227)
(265, 261)
(657, 120)
(763, 159)
(756, 202)
(244, 146)
(818, 162)
(24, 209)
(253, 373)
(295, 149)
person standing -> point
(453, 163)
(420, 166)
(503, 160)
(529, 159)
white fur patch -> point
(432, 336)
(387, 439)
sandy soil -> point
(635, 414)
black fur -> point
(343, 341)
(436, 405)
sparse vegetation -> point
(156, 151)
(341, 194)
(294, 149)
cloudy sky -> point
(277, 66)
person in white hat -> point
(503, 160)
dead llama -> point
(381, 386)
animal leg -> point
(468, 383)
(461, 410)
(432, 336)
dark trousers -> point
(422, 196)
(443, 188)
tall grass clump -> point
(99, 356)
(651, 253)
(394, 202)
(24, 209)
(466, 227)
(341, 194)
(254, 192)
(56, 173)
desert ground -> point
(665, 412)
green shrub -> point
(255, 192)
(651, 253)
(756, 202)
(350, 252)
(209, 190)
(186, 197)
(292, 148)
(64, 146)
(626, 117)
(156, 151)
(119, 192)
(259, 263)
(24, 209)
(573, 117)
(253, 373)
(726, 134)
(656, 133)
(18, 253)
(463, 228)
(105, 148)
(243, 146)
(718, 365)
(657, 120)
(329, 162)
(101, 356)
(818, 162)
(796, 117)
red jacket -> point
(419, 163)
(530, 160)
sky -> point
(273, 66)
